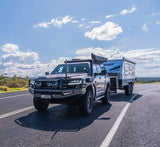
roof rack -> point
(78, 60)
(94, 58)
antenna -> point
(65, 68)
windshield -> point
(72, 68)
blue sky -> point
(36, 35)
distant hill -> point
(148, 79)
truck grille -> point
(47, 85)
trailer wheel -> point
(86, 104)
(129, 89)
(39, 104)
(107, 96)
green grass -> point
(4, 89)
(147, 83)
(10, 84)
(156, 83)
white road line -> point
(106, 142)
(15, 112)
(8, 97)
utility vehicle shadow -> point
(62, 118)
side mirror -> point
(104, 72)
(46, 73)
(95, 74)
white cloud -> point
(80, 25)
(74, 21)
(145, 27)
(35, 69)
(109, 53)
(125, 11)
(20, 63)
(158, 22)
(13, 54)
(83, 19)
(147, 60)
(10, 48)
(56, 22)
(13, 58)
(109, 16)
(42, 25)
(108, 31)
(154, 14)
(95, 22)
(88, 26)
(139, 55)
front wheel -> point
(86, 104)
(39, 104)
(107, 96)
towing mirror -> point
(46, 73)
(95, 74)
(104, 72)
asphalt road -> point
(130, 121)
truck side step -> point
(98, 98)
(113, 91)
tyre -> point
(107, 96)
(86, 104)
(129, 89)
(39, 104)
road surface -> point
(131, 121)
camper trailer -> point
(122, 74)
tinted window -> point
(72, 68)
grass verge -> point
(147, 83)
(4, 89)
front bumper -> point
(57, 94)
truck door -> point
(96, 80)
(102, 80)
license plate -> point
(46, 96)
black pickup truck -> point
(76, 82)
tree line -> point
(13, 82)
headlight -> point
(38, 84)
(75, 82)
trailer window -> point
(126, 67)
(130, 67)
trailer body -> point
(122, 74)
